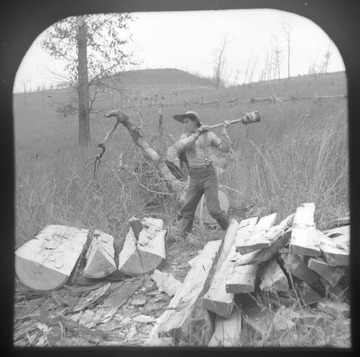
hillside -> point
(166, 76)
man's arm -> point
(223, 144)
(184, 143)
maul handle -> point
(246, 118)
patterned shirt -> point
(194, 147)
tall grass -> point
(297, 153)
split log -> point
(176, 320)
(217, 299)
(243, 277)
(342, 221)
(334, 292)
(264, 239)
(304, 238)
(227, 331)
(100, 256)
(46, 262)
(333, 250)
(330, 274)
(229, 240)
(298, 268)
(166, 282)
(343, 231)
(143, 255)
(257, 240)
(276, 237)
(306, 294)
(273, 278)
(136, 225)
(227, 244)
(265, 254)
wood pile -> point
(290, 262)
(46, 262)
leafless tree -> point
(93, 48)
(288, 27)
(250, 68)
(219, 63)
(326, 59)
(276, 57)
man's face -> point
(190, 124)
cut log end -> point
(100, 267)
(141, 263)
(38, 277)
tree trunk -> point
(83, 83)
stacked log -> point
(291, 259)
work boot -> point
(223, 222)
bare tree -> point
(248, 67)
(93, 48)
(326, 59)
(252, 69)
(288, 27)
(276, 50)
(219, 63)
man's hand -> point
(203, 128)
(226, 124)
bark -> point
(83, 83)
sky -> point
(189, 40)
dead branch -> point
(136, 135)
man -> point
(198, 144)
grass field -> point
(297, 153)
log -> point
(342, 221)
(298, 268)
(100, 256)
(176, 320)
(227, 244)
(257, 239)
(136, 225)
(338, 231)
(265, 254)
(304, 238)
(331, 274)
(143, 255)
(334, 292)
(227, 331)
(243, 277)
(46, 262)
(334, 251)
(306, 294)
(229, 240)
(242, 280)
(166, 282)
(217, 299)
(273, 278)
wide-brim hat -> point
(189, 114)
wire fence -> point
(271, 99)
